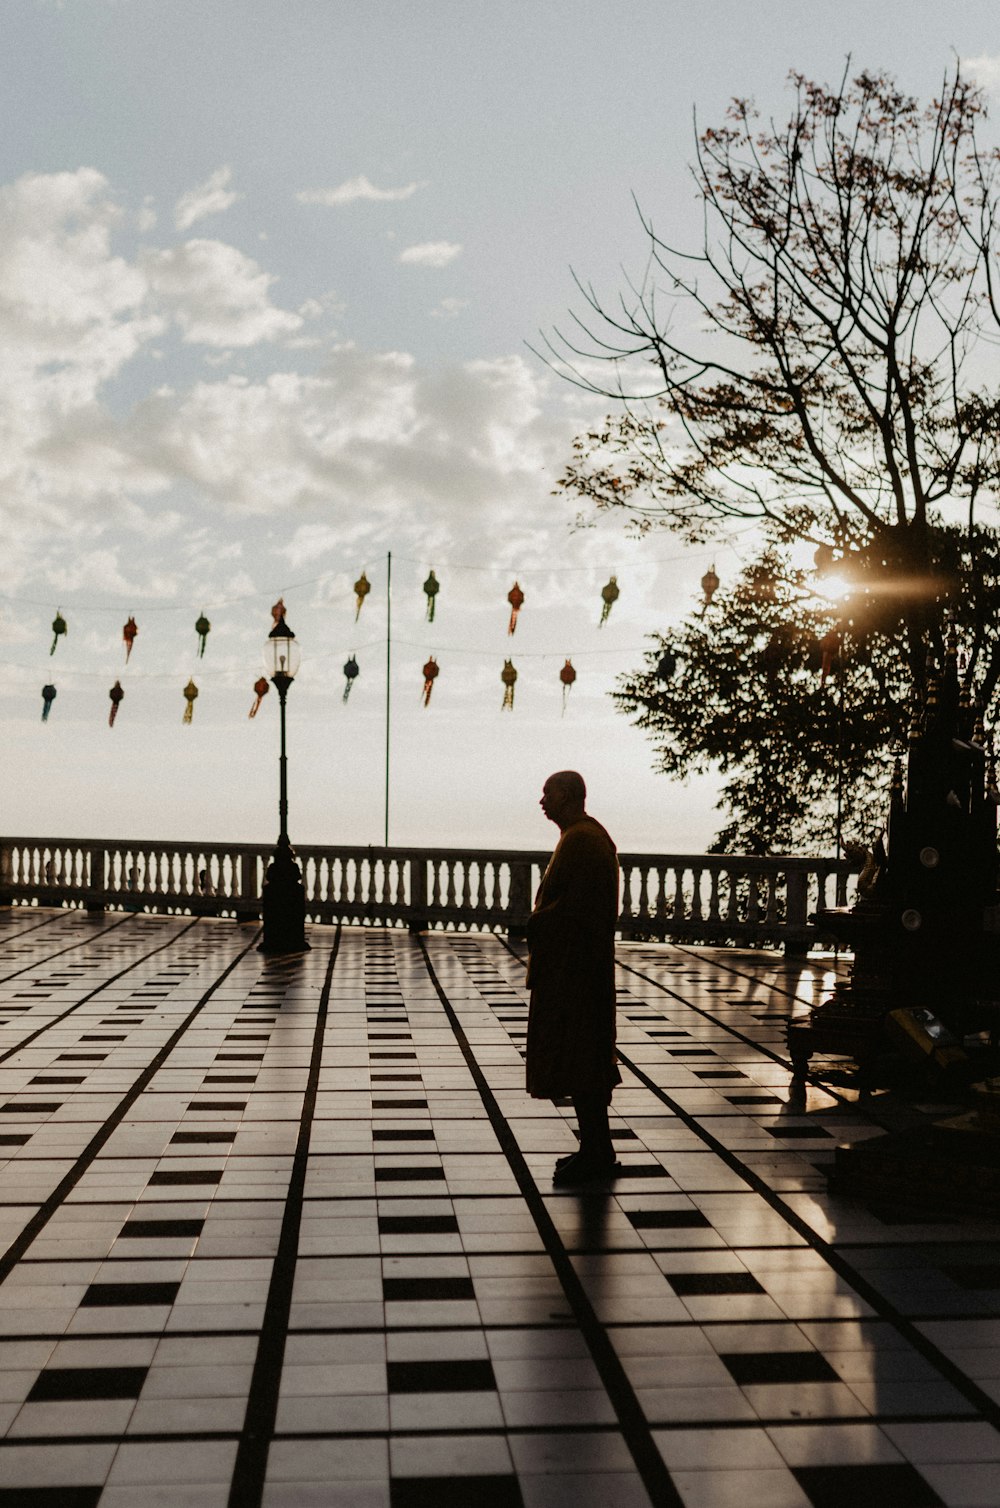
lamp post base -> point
(283, 905)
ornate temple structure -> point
(925, 929)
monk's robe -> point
(571, 971)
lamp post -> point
(283, 899)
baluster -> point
(642, 907)
(713, 899)
(771, 912)
(482, 905)
(680, 910)
(696, 895)
(733, 908)
(753, 900)
(449, 865)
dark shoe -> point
(583, 1169)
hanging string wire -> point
(137, 600)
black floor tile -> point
(455, 1492)
(62, 1384)
(183, 1176)
(149, 1230)
(404, 1134)
(409, 1175)
(977, 1275)
(778, 1366)
(798, 1133)
(719, 1073)
(440, 1376)
(50, 1497)
(14, 1140)
(414, 1290)
(30, 1107)
(754, 1099)
(399, 1104)
(217, 1104)
(887, 1486)
(417, 1225)
(185, 1138)
(115, 1294)
(695, 1283)
(642, 1170)
(669, 1220)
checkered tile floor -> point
(284, 1233)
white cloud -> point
(208, 198)
(218, 295)
(430, 254)
(985, 70)
(369, 444)
(449, 308)
(353, 189)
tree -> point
(820, 366)
(794, 691)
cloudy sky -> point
(268, 272)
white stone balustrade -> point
(724, 898)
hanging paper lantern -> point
(278, 610)
(59, 626)
(709, 585)
(516, 599)
(431, 588)
(202, 628)
(128, 635)
(668, 665)
(261, 688)
(351, 671)
(610, 593)
(431, 670)
(829, 648)
(190, 692)
(116, 694)
(48, 697)
(567, 675)
(509, 676)
(361, 589)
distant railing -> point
(724, 898)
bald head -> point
(564, 795)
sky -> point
(270, 275)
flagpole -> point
(388, 682)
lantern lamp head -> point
(282, 655)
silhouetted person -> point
(571, 972)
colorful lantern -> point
(567, 675)
(431, 670)
(190, 692)
(610, 593)
(709, 585)
(117, 695)
(48, 697)
(361, 589)
(59, 627)
(261, 688)
(431, 588)
(829, 648)
(509, 677)
(278, 610)
(202, 628)
(351, 671)
(128, 636)
(516, 599)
